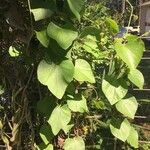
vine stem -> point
(130, 14)
(31, 25)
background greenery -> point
(66, 77)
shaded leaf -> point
(76, 7)
(46, 105)
(42, 146)
(43, 37)
(46, 134)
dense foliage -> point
(70, 79)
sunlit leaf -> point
(59, 118)
(121, 130)
(56, 76)
(43, 37)
(133, 138)
(75, 143)
(41, 13)
(64, 35)
(83, 71)
(127, 106)
(130, 51)
(112, 25)
(13, 52)
(136, 77)
(114, 89)
(78, 104)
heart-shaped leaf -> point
(136, 77)
(127, 106)
(43, 37)
(83, 71)
(56, 76)
(114, 89)
(120, 130)
(76, 6)
(130, 51)
(64, 35)
(112, 25)
(75, 143)
(133, 138)
(41, 13)
(59, 118)
(78, 104)
(46, 133)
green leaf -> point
(112, 25)
(133, 138)
(1, 90)
(130, 51)
(42, 146)
(75, 143)
(43, 37)
(67, 128)
(83, 71)
(114, 89)
(46, 134)
(90, 44)
(120, 130)
(78, 104)
(64, 35)
(41, 13)
(59, 118)
(56, 76)
(136, 77)
(13, 52)
(45, 106)
(127, 106)
(76, 7)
